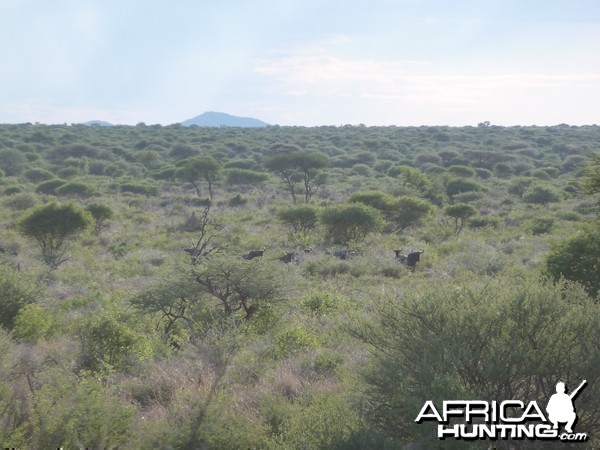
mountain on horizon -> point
(98, 123)
(218, 119)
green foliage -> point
(503, 170)
(293, 340)
(16, 292)
(244, 177)
(49, 187)
(299, 166)
(176, 304)
(325, 302)
(346, 223)
(333, 267)
(460, 213)
(183, 151)
(459, 186)
(32, 323)
(461, 171)
(326, 422)
(12, 190)
(414, 178)
(300, 218)
(592, 175)
(21, 202)
(51, 226)
(442, 338)
(139, 188)
(410, 212)
(101, 214)
(107, 343)
(541, 225)
(379, 200)
(12, 161)
(484, 221)
(518, 186)
(73, 413)
(237, 200)
(541, 194)
(68, 172)
(577, 259)
(76, 189)
(37, 175)
(230, 353)
(237, 284)
(198, 169)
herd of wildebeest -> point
(410, 259)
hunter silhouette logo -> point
(560, 407)
(508, 419)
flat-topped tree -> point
(199, 169)
(299, 166)
(52, 226)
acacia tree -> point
(284, 166)
(345, 223)
(197, 170)
(101, 214)
(238, 285)
(299, 166)
(409, 211)
(460, 213)
(52, 226)
(301, 218)
(310, 165)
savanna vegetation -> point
(130, 319)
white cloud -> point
(439, 86)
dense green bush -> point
(108, 343)
(459, 186)
(440, 340)
(577, 259)
(245, 177)
(101, 214)
(21, 202)
(12, 161)
(346, 223)
(541, 194)
(37, 175)
(51, 226)
(300, 219)
(409, 212)
(32, 323)
(50, 186)
(381, 201)
(138, 188)
(461, 171)
(16, 292)
(75, 189)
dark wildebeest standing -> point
(253, 254)
(409, 260)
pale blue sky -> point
(301, 62)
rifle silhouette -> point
(576, 391)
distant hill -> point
(217, 119)
(98, 123)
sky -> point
(301, 62)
